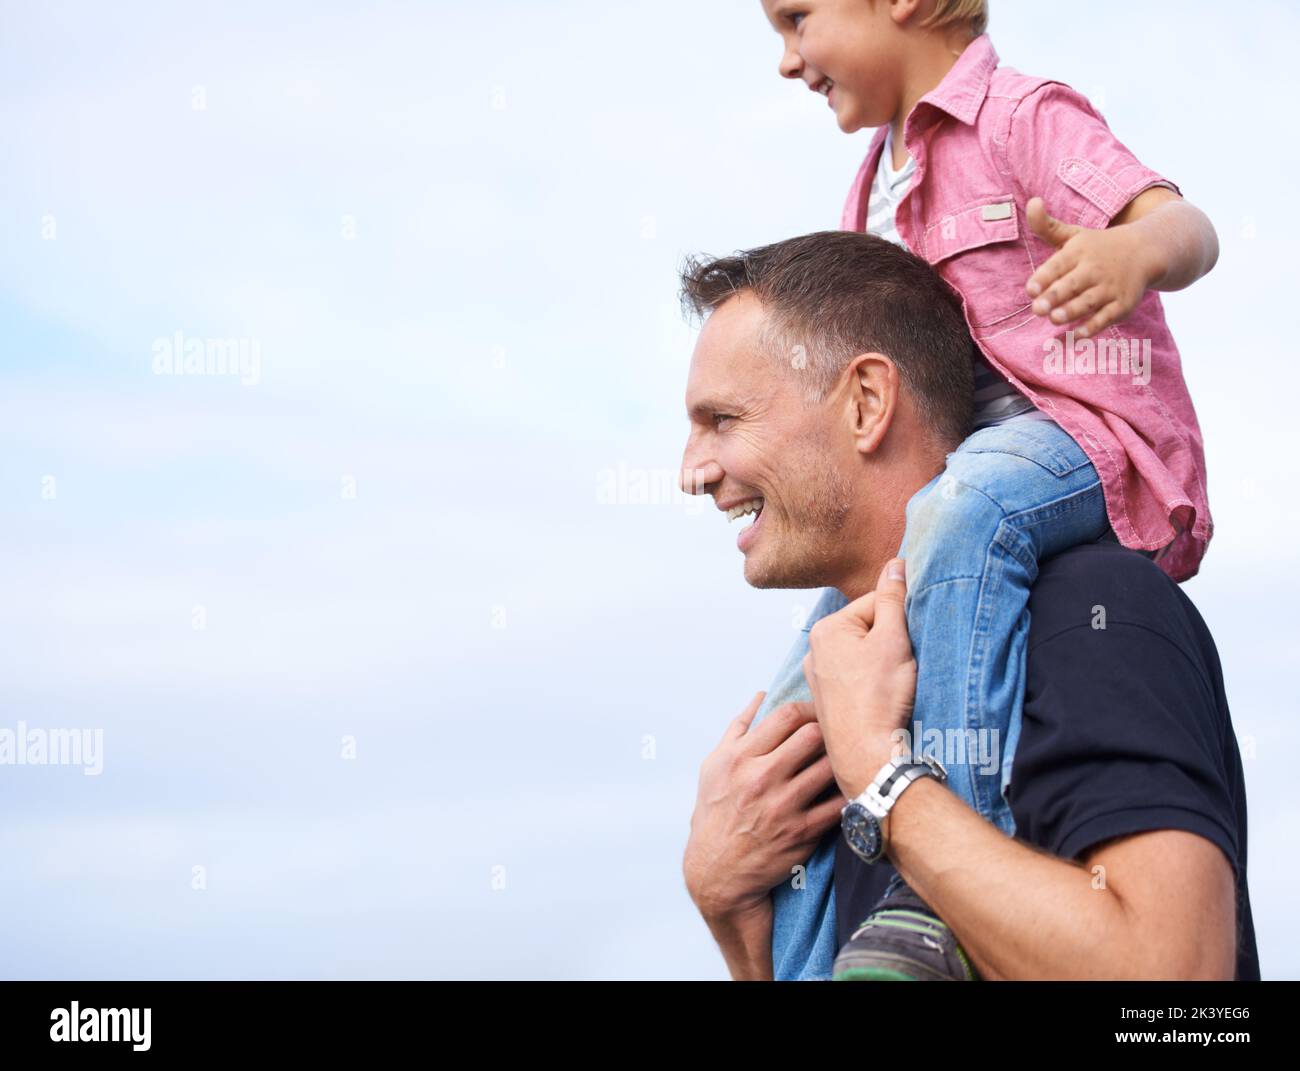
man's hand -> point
(862, 675)
(1094, 275)
(759, 810)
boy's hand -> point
(1097, 275)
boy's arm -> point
(1158, 242)
(1178, 231)
(1116, 233)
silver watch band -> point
(894, 778)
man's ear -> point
(872, 381)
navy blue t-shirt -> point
(1126, 728)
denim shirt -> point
(986, 140)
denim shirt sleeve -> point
(1060, 148)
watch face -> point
(862, 831)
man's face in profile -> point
(754, 442)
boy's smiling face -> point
(851, 48)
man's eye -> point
(794, 18)
(718, 417)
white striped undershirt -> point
(996, 400)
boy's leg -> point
(1009, 495)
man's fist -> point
(862, 674)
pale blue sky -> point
(522, 181)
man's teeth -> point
(824, 87)
(745, 508)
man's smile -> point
(744, 508)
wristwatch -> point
(861, 818)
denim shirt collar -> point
(966, 84)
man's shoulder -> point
(1108, 577)
(1108, 605)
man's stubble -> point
(810, 543)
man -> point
(826, 388)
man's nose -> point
(695, 479)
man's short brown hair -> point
(832, 295)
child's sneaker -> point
(903, 941)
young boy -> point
(1056, 238)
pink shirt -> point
(985, 141)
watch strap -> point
(894, 777)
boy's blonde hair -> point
(975, 13)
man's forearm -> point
(1019, 913)
(744, 937)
